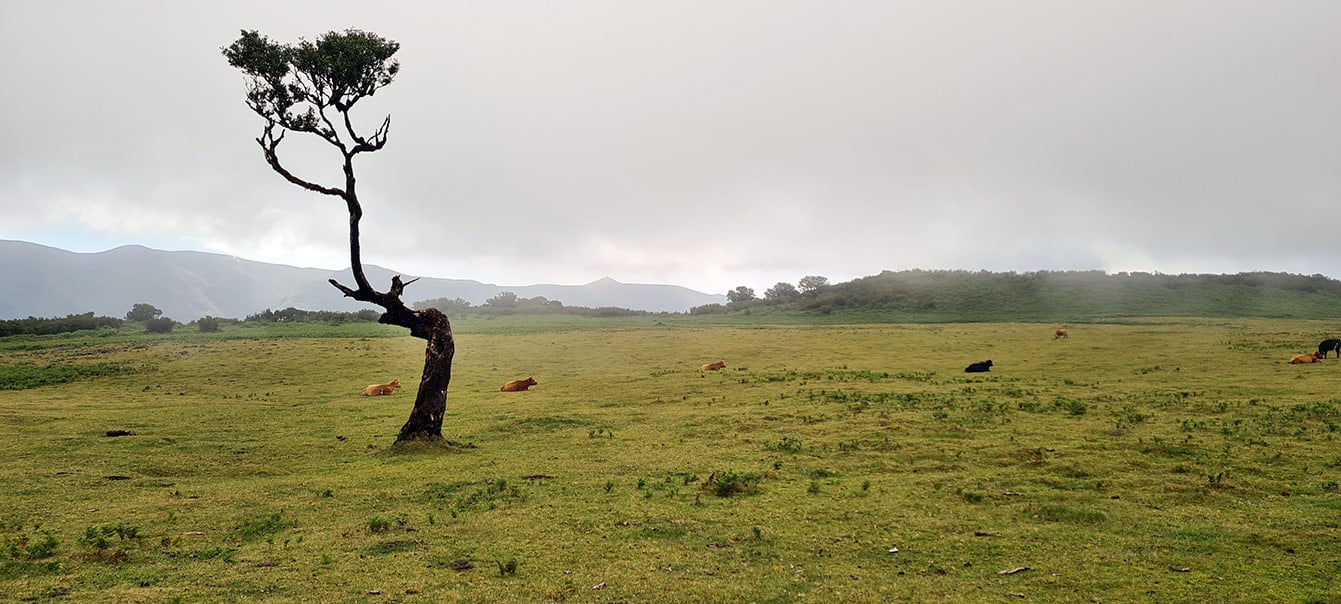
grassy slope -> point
(956, 296)
(1106, 463)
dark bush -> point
(159, 325)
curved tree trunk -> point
(430, 403)
(431, 324)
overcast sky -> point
(708, 144)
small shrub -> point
(786, 445)
(159, 325)
(727, 484)
(378, 525)
(262, 526)
(24, 548)
(208, 324)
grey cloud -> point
(713, 144)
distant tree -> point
(208, 324)
(310, 88)
(444, 305)
(740, 294)
(708, 309)
(502, 300)
(781, 292)
(143, 312)
(159, 325)
(812, 283)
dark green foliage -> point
(143, 312)
(338, 69)
(378, 524)
(740, 294)
(24, 547)
(811, 284)
(921, 295)
(100, 537)
(208, 324)
(159, 325)
(41, 327)
(450, 306)
(727, 484)
(20, 377)
(502, 300)
(781, 292)
(294, 315)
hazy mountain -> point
(41, 281)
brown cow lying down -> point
(518, 385)
(1311, 357)
(382, 389)
(713, 366)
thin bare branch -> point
(270, 144)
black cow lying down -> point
(979, 367)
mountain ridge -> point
(46, 281)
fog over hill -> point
(41, 281)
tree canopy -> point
(293, 85)
(740, 294)
(143, 312)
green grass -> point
(1162, 460)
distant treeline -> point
(507, 303)
(41, 327)
(910, 295)
(946, 295)
(295, 315)
(48, 326)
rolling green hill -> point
(941, 295)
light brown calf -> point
(1299, 359)
(518, 385)
(713, 366)
(382, 389)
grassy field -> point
(1170, 461)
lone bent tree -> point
(310, 87)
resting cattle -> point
(1298, 359)
(980, 367)
(1061, 333)
(518, 385)
(382, 389)
(1329, 345)
(713, 366)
